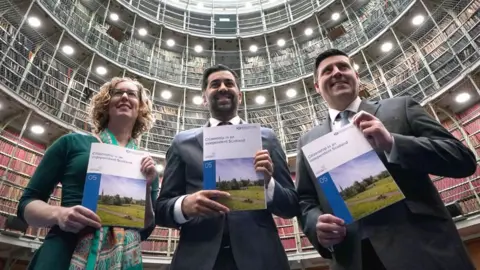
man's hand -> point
(331, 230)
(374, 131)
(263, 163)
(74, 219)
(201, 204)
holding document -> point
(214, 171)
(414, 233)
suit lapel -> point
(199, 134)
(369, 107)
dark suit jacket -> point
(253, 235)
(418, 232)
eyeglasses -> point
(118, 93)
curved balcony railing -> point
(270, 65)
(422, 65)
(211, 20)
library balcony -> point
(55, 54)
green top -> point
(65, 162)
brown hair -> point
(100, 102)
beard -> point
(223, 102)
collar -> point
(353, 107)
(235, 121)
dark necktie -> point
(343, 118)
(224, 123)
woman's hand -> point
(148, 169)
(74, 219)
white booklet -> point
(228, 154)
(115, 188)
(350, 174)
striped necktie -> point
(344, 118)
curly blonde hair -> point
(98, 109)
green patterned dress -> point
(108, 248)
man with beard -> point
(416, 233)
(211, 237)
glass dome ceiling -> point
(224, 6)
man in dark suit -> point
(211, 237)
(416, 233)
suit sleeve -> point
(285, 199)
(309, 204)
(431, 149)
(173, 187)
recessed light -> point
(308, 31)
(101, 70)
(142, 31)
(291, 93)
(37, 129)
(34, 22)
(462, 97)
(356, 67)
(170, 42)
(335, 16)
(200, 5)
(260, 99)
(67, 49)
(281, 42)
(253, 48)
(166, 94)
(114, 16)
(197, 100)
(198, 48)
(417, 20)
(159, 168)
(387, 46)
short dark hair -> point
(209, 71)
(324, 55)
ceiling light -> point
(170, 42)
(260, 99)
(142, 31)
(166, 94)
(200, 5)
(197, 100)
(462, 97)
(356, 67)
(198, 49)
(308, 31)
(114, 17)
(101, 70)
(37, 129)
(159, 168)
(335, 16)
(253, 48)
(67, 49)
(387, 46)
(248, 5)
(417, 20)
(281, 42)
(291, 93)
(34, 22)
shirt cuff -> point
(392, 156)
(270, 189)
(177, 211)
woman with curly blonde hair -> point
(120, 112)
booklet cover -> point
(351, 175)
(228, 154)
(115, 188)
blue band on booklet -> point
(209, 173)
(334, 198)
(92, 185)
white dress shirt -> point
(352, 108)
(177, 211)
